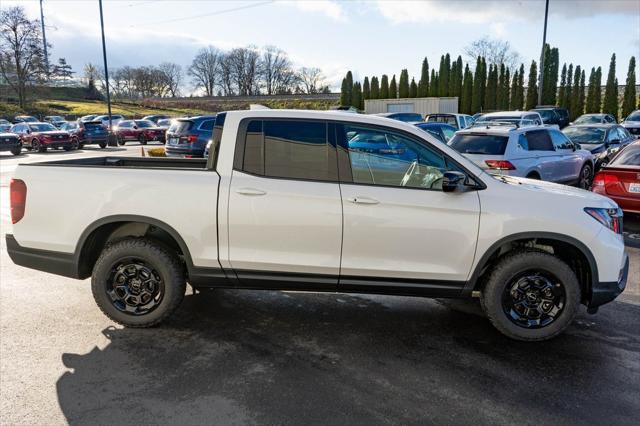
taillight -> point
(192, 138)
(606, 183)
(18, 198)
(500, 165)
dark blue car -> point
(188, 137)
(442, 131)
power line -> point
(202, 15)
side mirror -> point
(28, 131)
(452, 181)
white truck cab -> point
(319, 201)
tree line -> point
(494, 85)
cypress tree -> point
(375, 88)
(413, 89)
(403, 87)
(598, 93)
(433, 85)
(521, 87)
(345, 98)
(384, 87)
(423, 84)
(479, 81)
(393, 88)
(349, 78)
(575, 111)
(507, 90)
(455, 78)
(443, 75)
(466, 97)
(550, 73)
(610, 105)
(589, 107)
(582, 93)
(629, 98)
(513, 99)
(491, 92)
(563, 85)
(356, 97)
(366, 89)
(532, 87)
(568, 88)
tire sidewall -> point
(158, 259)
(511, 266)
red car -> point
(142, 131)
(620, 179)
(40, 136)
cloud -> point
(480, 12)
(329, 8)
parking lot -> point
(273, 357)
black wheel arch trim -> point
(482, 263)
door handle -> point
(250, 191)
(363, 200)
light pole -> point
(106, 69)
(44, 41)
(544, 42)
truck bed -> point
(129, 162)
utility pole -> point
(44, 40)
(106, 69)
(544, 43)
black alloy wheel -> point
(134, 286)
(533, 299)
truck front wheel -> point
(531, 295)
(137, 282)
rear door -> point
(285, 211)
(541, 147)
(569, 161)
(400, 228)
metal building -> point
(422, 106)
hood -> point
(593, 147)
(588, 198)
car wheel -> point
(531, 295)
(120, 140)
(142, 139)
(102, 145)
(69, 148)
(586, 177)
(533, 176)
(17, 151)
(137, 282)
(36, 146)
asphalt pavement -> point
(250, 357)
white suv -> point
(540, 152)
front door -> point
(400, 228)
(285, 211)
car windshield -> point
(545, 113)
(41, 127)
(56, 118)
(634, 116)
(586, 119)
(585, 134)
(628, 157)
(479, 144)
(28, 119)
(448, 119)
(505, 118)
(164, 122)
(144, 123)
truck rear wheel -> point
(137, 283)
(531, 295)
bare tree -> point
(311, 80)
(226, 83)
(494, 51)
(204, 69)
(277, 71)
(172, 76)
(21, 53)
(244, 65)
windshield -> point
(42, 127)
(634, 116)
(144, 123)
(586, 119)
(479, 144)
(545, 113)
(56, 118)
(505, 118)
(584, 135)
(28, 119)
(448, 119)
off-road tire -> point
(163, 261)
(506, 269)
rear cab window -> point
(479, 143)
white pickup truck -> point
(319, 201)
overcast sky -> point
(368, 37)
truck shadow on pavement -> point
(237, 357)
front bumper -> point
(56, 144)
(10, 146)
(605, 292)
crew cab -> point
(286, 201)
(40, 136)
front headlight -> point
(609, 217)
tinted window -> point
(207, 125)
(613, 135)
(180, 126)
(585, 134)
(449, 119)
(560, 141)
(609, 119)
(92, 125)
(41, 127)
(628, 157)
(634, 116)
(124, 124)
(448, 133)
(387, 158)
(289, 149)
(144, 123)
(539, 140)
(408, 117)
(216, 138)
(479, 144)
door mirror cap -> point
(452, 181)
